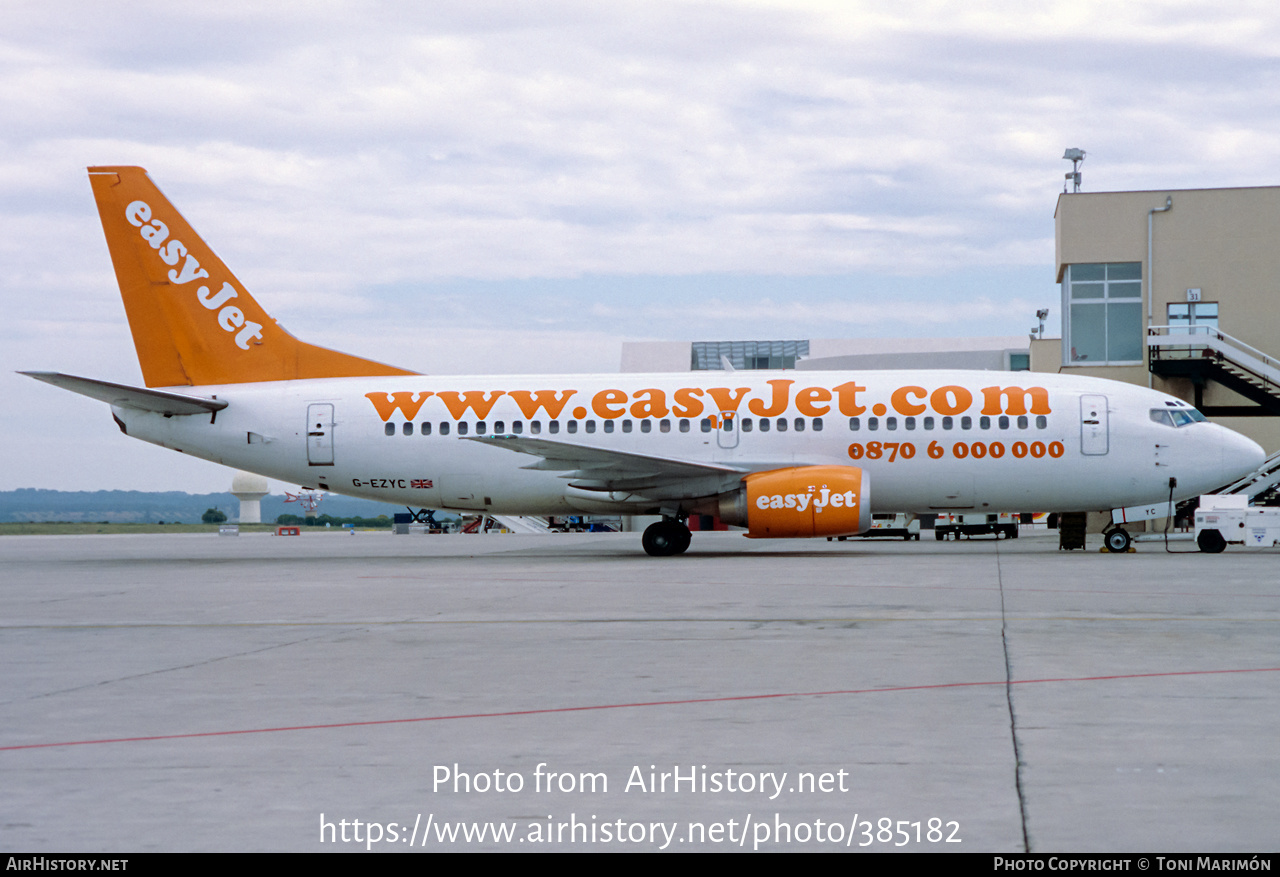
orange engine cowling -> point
(801, 502)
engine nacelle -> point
(801, 502)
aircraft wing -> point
(124, 396)
(605, 469)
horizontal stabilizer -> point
(131, 397)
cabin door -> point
(320, 434)
(1094, 439)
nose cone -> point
(1240, 454)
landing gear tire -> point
(666, 538)
(1117, 540)
(684, 538)
(1211, 542)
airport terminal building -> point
(1178, 289)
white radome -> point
(249, 489)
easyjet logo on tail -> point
(171, 251)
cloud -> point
(353, 159)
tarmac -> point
(362, 692)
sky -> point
(520, 187)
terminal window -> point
(1103, 306)
(712, 355)
(1199, 317)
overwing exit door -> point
(727, 430)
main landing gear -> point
(666, 537)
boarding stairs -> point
(523, 523)
(512, 523)
(1260, 484)
(1202, 353)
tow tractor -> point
(1224, 519)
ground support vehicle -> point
(955, 526)
(1224, 519)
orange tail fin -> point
(193, 323)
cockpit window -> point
(1176, 416)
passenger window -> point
(407, 429)
(591, 425)
(517, 426)
(626, 426)
(608, 426)
(928, 423)
(764, 425)
(966, 422)
(799, 424)
(646, 426)
(909, 423)
(573, 426)
(706, 424)
(553, 427)
(1023, 423)
(497, 426)
(984, 422)
(854, 424)
(947, 422)
(1042, 422)
(782, 424)
(480, 430)
(535, 427)
(1004, 421)
(684, 425)
(462, 428)
(389, 429)
(817, 424)
(664, 426)
(425, 427)
(873, 423)
(444, 428)
(891, 423)
(746, 424)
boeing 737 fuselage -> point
(782, 453)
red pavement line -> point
(618, 706)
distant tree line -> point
(332, 521)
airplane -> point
(784, 454)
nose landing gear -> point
(1117, 540)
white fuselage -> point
(930, 440)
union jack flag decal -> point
(420, 482)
